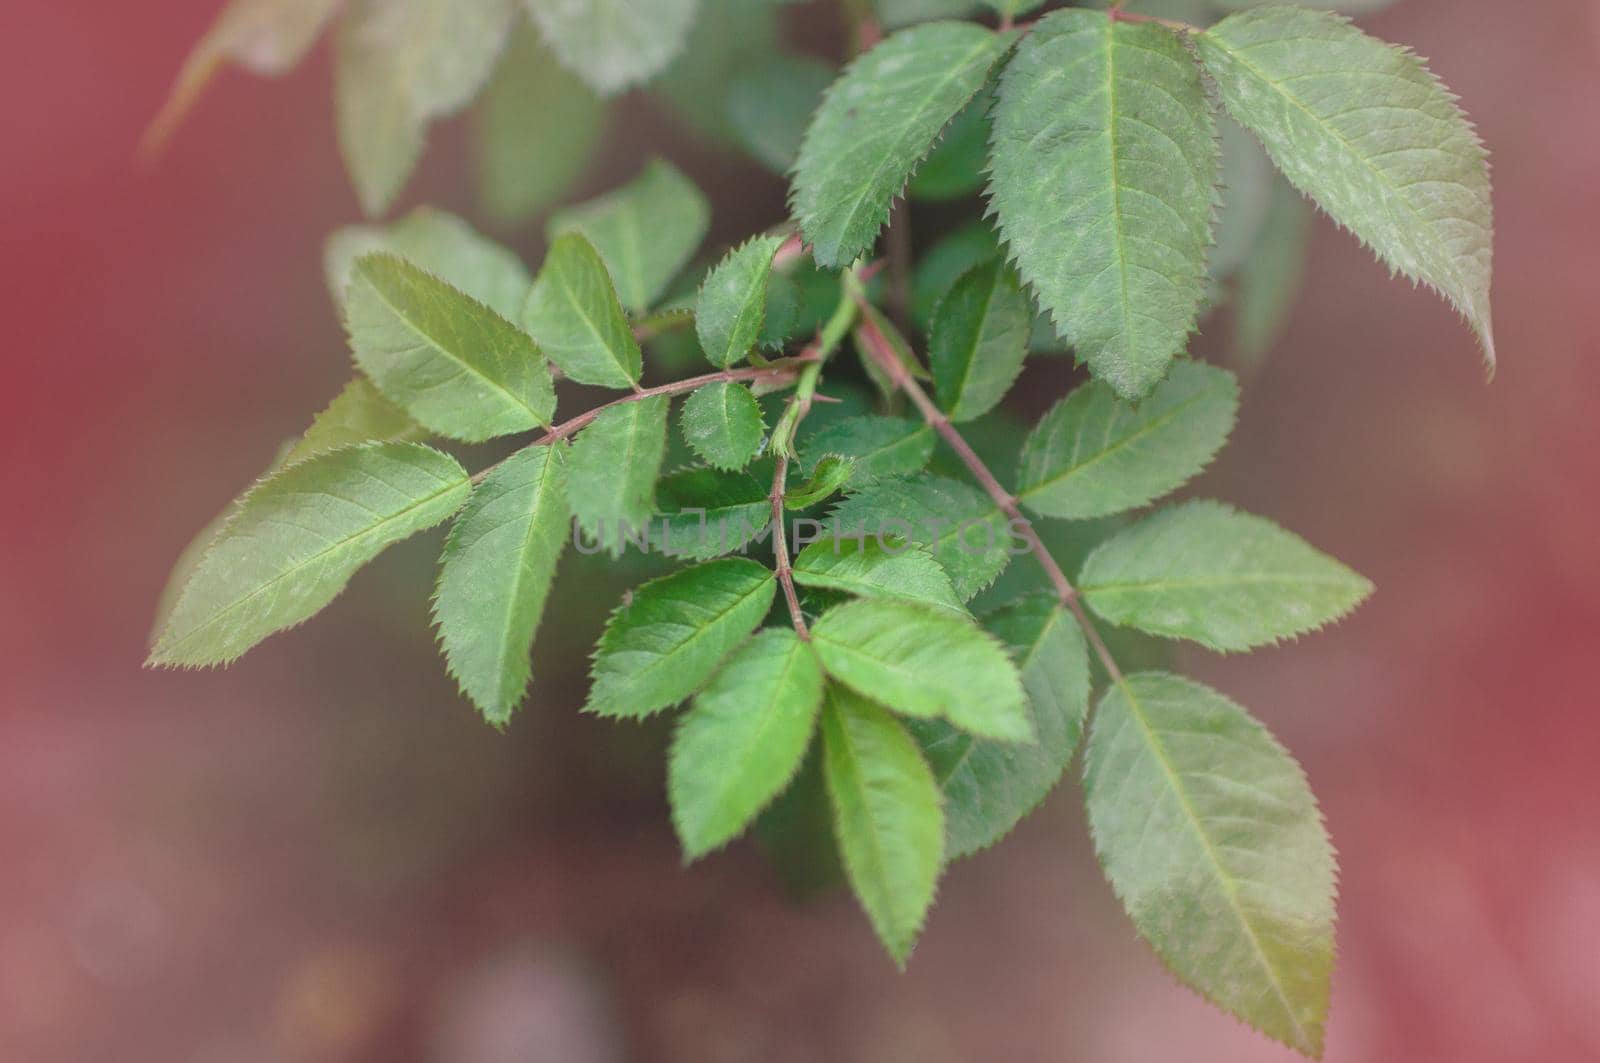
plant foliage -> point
(839, 589)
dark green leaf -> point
(990, 786)
(732, 304)
(978, 339)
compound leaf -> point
(743, 740)
(495, 575)
(1103, 180)
(614, 44)
(458, 367)
(990, 786)
(876, 122)
(1365, 129)
(1094, 454)
(358, 414)
(887, 816)
(924, 661)
(1211, 838)
(573, 313)
(441, 244)
(732, 304)
(872, 569)
(663, 645)
(297, 537)
(613, 469)
(978, 339)
(722, 423)
(1228, 580)
(645, 231)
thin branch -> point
(780, 547)
(883, 353)
(786, 371)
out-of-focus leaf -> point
(614, 44)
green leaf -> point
(1211, 838)
(832, 472)
(266, 37)
(732, 304)
(1365, 129)
(574, 315)
(744, 739)
(924, 661)
(966, 532)
(870, 569)
(297, 537)
(938, 268)
(880, 446)
(534, 133)
(1225, 579)
(663, 645)
(978, 339)
(1103, 180)
(401, 64)
(495, 575)
(441, 244)
(614, 44)
(990, 786)
(705, 513)
(613, 469)
(875, 124)
(887, 817)
(722, 423)
(645, 231)
(1247, 183)
(1093, 454)
(770, 104)
(358, 414)
(452, 363)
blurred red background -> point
(321, 855)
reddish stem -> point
(882, 352)
(775, 373)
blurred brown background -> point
(321, 855)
